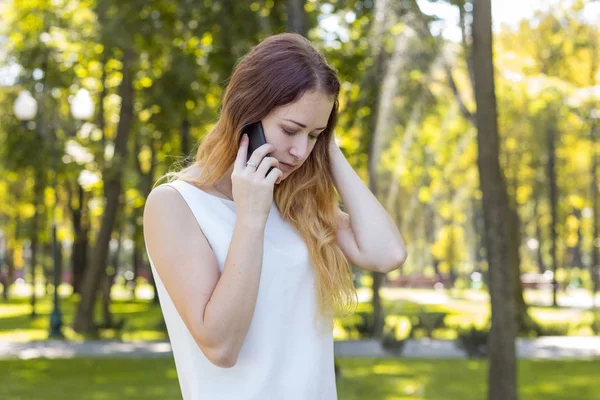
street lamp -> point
(25, 106)
(82, 106)
(25, 109)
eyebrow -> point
(302, 125)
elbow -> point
(218, 352)
(396, 262)
(224, 359)
(221, 357)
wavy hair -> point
(277, 72)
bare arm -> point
(367, 235)
(217, 308)
(229, 312)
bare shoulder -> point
(163, 204)
(169, 223)
(162, 195)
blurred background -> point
(98, 99)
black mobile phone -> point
(256, 138)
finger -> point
(274, 175)
(279, 178)
(259, 154)
(240, 159)
(265, 164)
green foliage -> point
(473, 341)
(141, 320)
(429, 322)
(554, 329)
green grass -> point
(372, 379)
(465, 380)
(88, 378)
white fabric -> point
(286, 354)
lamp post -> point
(25, 109)
(595, 116)
(3, 275)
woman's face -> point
(295, 128)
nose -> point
(299, 148)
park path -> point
(559, 347)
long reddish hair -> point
(277, 72)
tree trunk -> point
(136, 260)
(502, 382)
(525, 323)
(596, 220)
(10, 260)
(551, 170)
(155, 299)
(3, 274)
(105, 289)
(112, 189)
(10, 272)
(185, 137)
(104, 92)
(378, 316)
(109, 279)
(296, 17)
(80, 239)
(463, 24)
(224, 44)
(264, 21)
(538, 234)
(145, 182)
(48, 267)
(38, 190)
(382, 79)
(576, 253)
(451, 255)
(378, 321)
(430, 228)
(138, 263)
(478, 229)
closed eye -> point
(293, 133)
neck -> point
(224, 184)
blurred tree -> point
(296, 15)
(112, 179)
(525, 322)
(501, 343)
(380, 85)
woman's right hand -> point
(252, 187)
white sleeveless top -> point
(286, 354)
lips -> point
(287, 166)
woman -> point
(251, 267)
